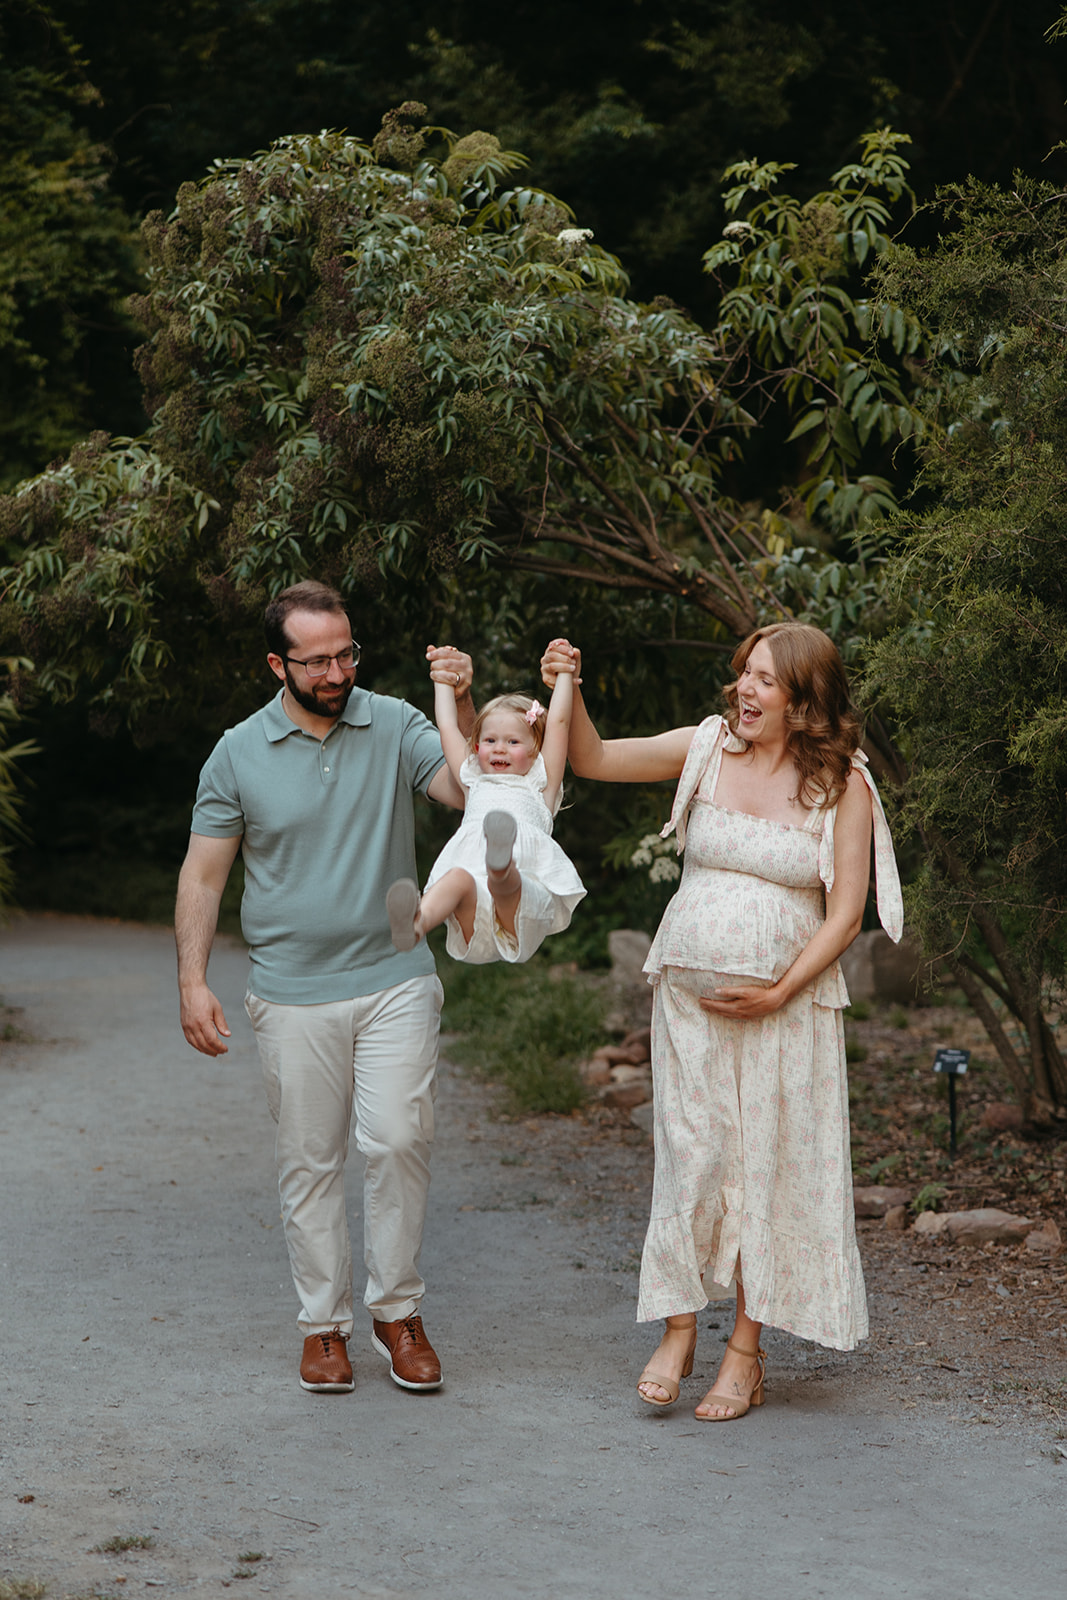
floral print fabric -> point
(753, 1174)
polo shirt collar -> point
(278, 726)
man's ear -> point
(276, 665)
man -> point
(317, 791)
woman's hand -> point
(560, 656)
(450, 666)
(748, 1002)
(745, 1002)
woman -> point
(753, 1190)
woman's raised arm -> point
(613, 760)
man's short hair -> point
(306, 596)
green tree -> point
(827, 375)
(359, 366)
(634, 122)
(415, 377)
(975, 676)
(381, 366)
(67, 253)
(12, 831)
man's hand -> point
(560, 656)
(203, 1021)
(449, 665)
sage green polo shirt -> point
(326, 828)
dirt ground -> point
(154, 1436)
(981, 1333)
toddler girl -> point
(502, 884)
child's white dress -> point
(550, 886)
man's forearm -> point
(196, 917)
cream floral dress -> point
(753, 1177)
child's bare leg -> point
(411, 919)
(453, 895)
(505, 880)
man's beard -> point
(308, 699)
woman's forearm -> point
(831, 941)
(846, 900)
(649, 760)
(585, 748)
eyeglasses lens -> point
(318, 666)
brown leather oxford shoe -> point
(325, 1367)
(413, 1363)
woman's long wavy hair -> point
(822, 730)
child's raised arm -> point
(453, 743)
(557, 735)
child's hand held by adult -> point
(560, 656)
(451, 667)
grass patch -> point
(123, 1542)
(524, 1028)
(31, 1589)
(10, 1032)
(929, 1197)
(883, 1168)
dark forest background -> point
(629, 111)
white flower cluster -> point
(660, 856)
(739, 230)
(572, 237)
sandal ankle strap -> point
(759, 1354)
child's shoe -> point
(499, 829)
(401, 906)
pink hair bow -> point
(535, 711)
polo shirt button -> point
(325, 769)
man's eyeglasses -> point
(319, 666)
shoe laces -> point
(412, 1326)
(334, 1333)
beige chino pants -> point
(376, 1055)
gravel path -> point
(148, 1353)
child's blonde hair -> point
(522, 705)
